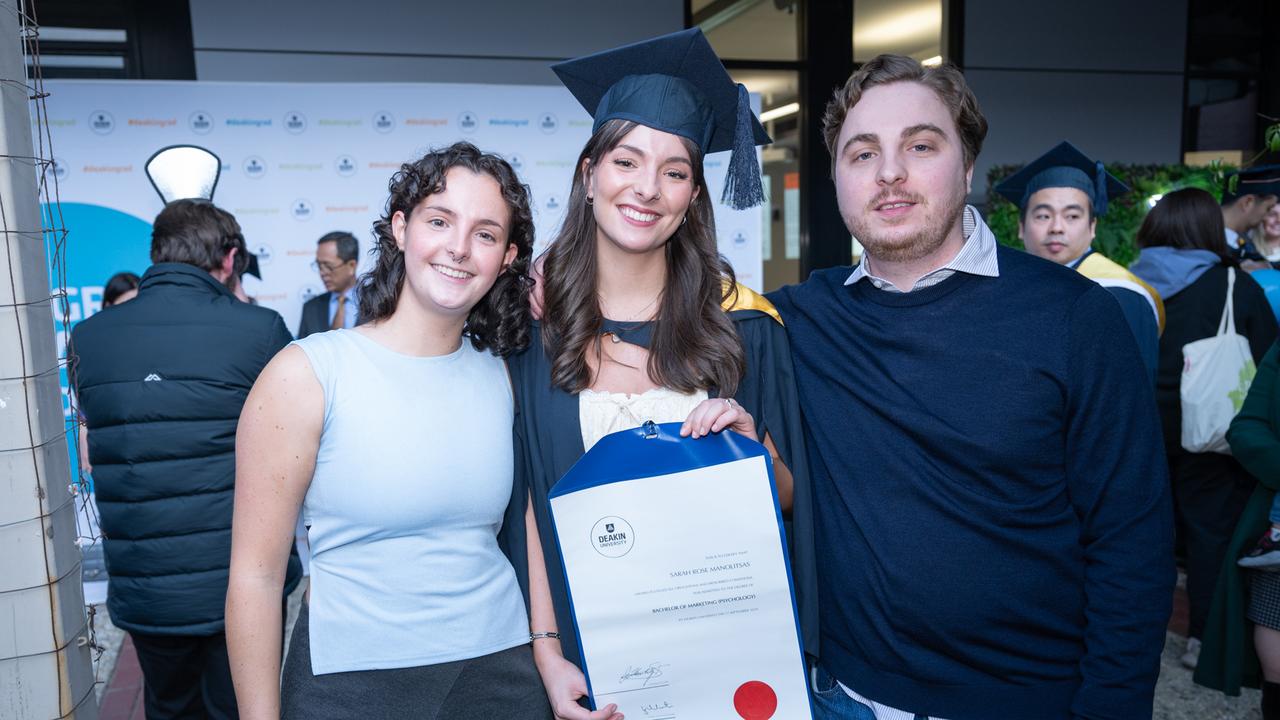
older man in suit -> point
(337, 255)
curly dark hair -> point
(498, 323)
(695, 345)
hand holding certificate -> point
(678, 577)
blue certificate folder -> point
(652, 451)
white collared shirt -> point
(1233, 239)
(976, 257)
(882, 712)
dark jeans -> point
(831, 702)
(1211, 491)
(186, 676)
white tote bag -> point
(1216, 373)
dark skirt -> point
(504, 684)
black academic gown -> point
(1136, 307)
(1249, 251)
(1137, 313)
(548, 439)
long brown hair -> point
(694, 345)
(1186, 219)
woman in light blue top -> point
(394, 439)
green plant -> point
(1116, 229)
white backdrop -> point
(300, 160)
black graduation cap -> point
(676, 84)
(1260, 180)
(252, 267)
(1063, 166)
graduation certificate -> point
(678, 577)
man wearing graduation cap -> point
(1060, 196)
(161, 380)
(993, 521)
(1243, 208)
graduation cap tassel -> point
(742, 186)
(1100, 194)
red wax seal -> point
(755, 700)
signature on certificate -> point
(647, 674)
(663, 707)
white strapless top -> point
(601, 413)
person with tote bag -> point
(1216, 373)
(1184, 256)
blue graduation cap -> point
(675, 83)
(1259, 180)
(1063, 166)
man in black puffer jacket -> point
(161, 381)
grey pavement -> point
(1177, 697)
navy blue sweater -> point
(994, 526)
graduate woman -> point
(394, 439)
(642, 317)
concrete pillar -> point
(45, 668)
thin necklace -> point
(605, 353)
(614, 336)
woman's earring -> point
(589, 200)
(684, 219)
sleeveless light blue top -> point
(412, 477)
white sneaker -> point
(1191, 657)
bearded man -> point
(989, 546)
